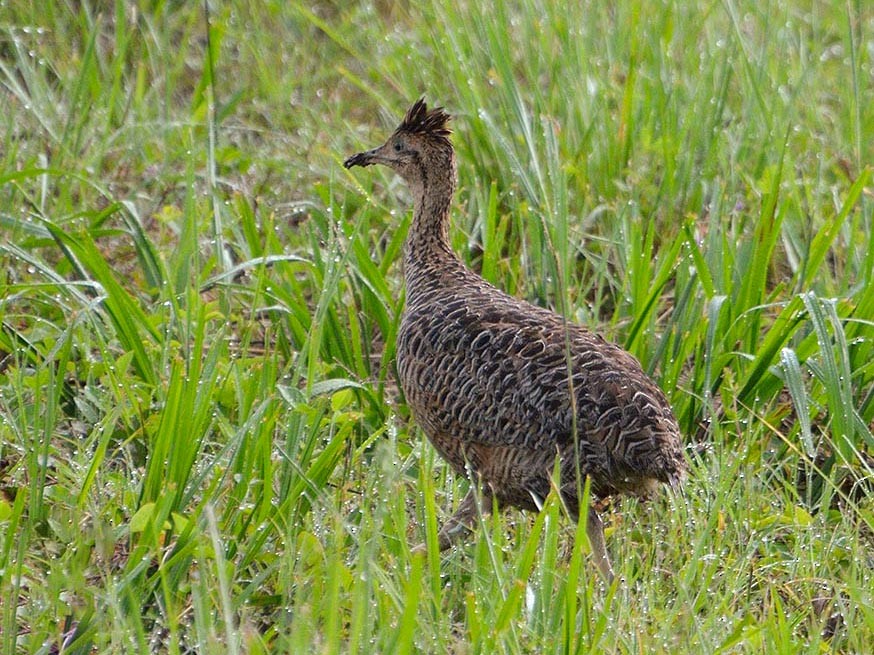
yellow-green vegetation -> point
(202, 446)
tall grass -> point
(202, 444)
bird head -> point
(418, 149)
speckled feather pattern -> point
(487, 378)
(503, 388)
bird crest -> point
(424, 121)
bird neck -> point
(427, 247)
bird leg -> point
(462, 521)
(595, 532)
(594, 529)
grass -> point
(202, 446)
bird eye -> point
(398, 146)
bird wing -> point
(506, 376)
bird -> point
(513, 396)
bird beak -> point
(364, 158)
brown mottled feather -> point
(486, 374)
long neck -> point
(427, 248)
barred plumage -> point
(486, 374)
